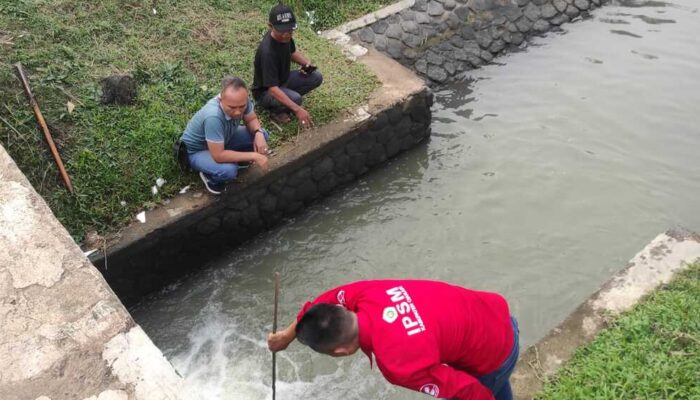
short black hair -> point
(325, 327)
(233, 82)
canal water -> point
(545, 173)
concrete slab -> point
(61, 323)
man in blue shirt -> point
(223, 133)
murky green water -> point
(543, 177)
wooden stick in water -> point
(44, 128)
(274, 330)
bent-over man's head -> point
(329, 329)
(234, 96)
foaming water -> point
(545, 174)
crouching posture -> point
(223, 134)
(432, 337)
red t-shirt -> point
(429, 336)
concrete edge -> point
(371, 18)
(654, 265)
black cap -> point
(282, 18)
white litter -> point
(160, 182)
(141, 217)
(122, 203)
(154, 190)
(89, 252)
(155, 12)
(185, 189)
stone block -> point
(541, 26)
(572, 12)
(268, 203)
(481, 5)
(511, 12)
(522, 3)
(395, 48)
(366, 140)
(237, 204)
(299, 176)
(306, 192)
(366, 35)
(496, 32)
(209, 225)
(524, 25)
(437, 73)
(393, 147)
(497, 46)
(453, 22)
(539, 2)
(380, 27)
(450, 67)
(462, 12)
(410, 54)
(511, 27)
(449, 4)
(341, 164)
(358, 164)
(457, 41)
(483, 37)
(321, 168)
(532, 12)
(560, 5)
(435, 9)
(410, 27)
(423, 18)
(231, 220)
(380, 42)
(411, 41)
(327, 183)
(434, 58)
(377, 155)
(582, 5)
(408, 15)
(486, 56)
(517, 38)
(421, 66)
(559, 19)
(420, 5)
(466, 32)
(394, 32)
(548, 11)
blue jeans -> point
(241, 140)
(296, 86)
(497, 380)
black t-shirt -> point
(272, 64)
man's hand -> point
(261, 161)
(278, 341)
(259, 143)
(304, 117)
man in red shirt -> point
(432, 337)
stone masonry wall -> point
(63, 332)
(441, 39)
(169, 253)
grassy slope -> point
(178, 55)
(651, 352)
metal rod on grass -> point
(44, 128)
(274, 330)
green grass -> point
(651, 352)
(114, 154)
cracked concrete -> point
(64, 333)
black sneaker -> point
(213, 188)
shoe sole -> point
(206, 184)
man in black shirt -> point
(275, 87)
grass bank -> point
(651, 352)
(178, 51)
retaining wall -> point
(441, 39)
(63, 332)
(182, 236)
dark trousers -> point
(498, 381)
(296, 86)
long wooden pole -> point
(274, 330)
(44, 127)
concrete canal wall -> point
(180, 237)
(651, 267)
(441, 39)
(63, 332)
